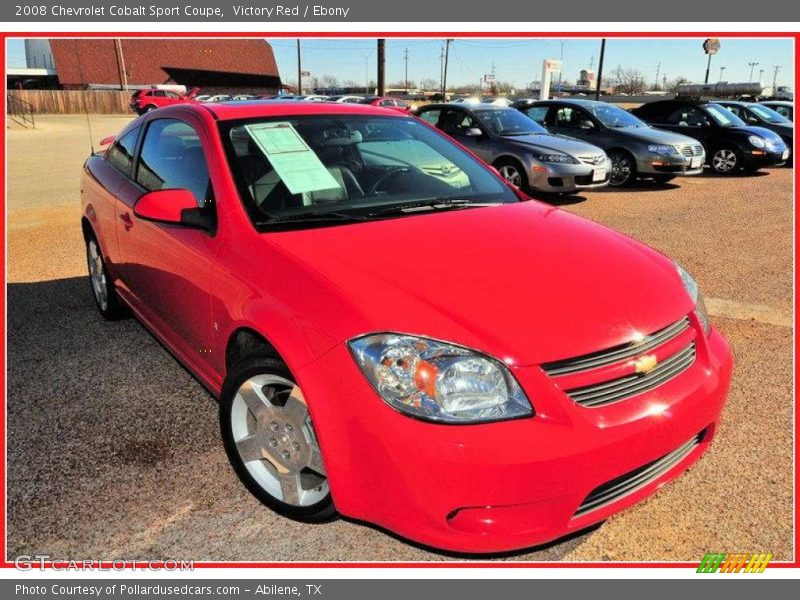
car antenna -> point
(85, 107)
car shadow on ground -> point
(708, 173)
(102, 420)
(639, 186)
(559, 199)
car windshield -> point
(614, 116)
(507, 121)
(327, 169)
(769, 115)
(722, 116)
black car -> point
(763, 116)
(731, 145)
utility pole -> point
(775, 70)
(405, 57)
(752, 65)
(561, 58)
(721, 71)
(381, 67)
(600, 69)
(299, 71)
(444, 76)
(123, 74)
(441, 68)
(658, 72)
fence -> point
(65, 102)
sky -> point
(519, 61)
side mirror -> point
(752, 120)
(177, 207)
(107, 140)
(586, 125)
(473, 132)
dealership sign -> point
(711, 46)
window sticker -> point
(298, 167)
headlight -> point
(556, 158)
(662, 149)
(694, 293)
(758, 142)
(439, 381)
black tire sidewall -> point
(114, 309)
(631, 177)
(248, 367)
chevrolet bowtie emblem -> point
(645, 364)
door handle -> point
(126, 221)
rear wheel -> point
(150, 108)
(103, 291)
(725, 161)
(513, 172)
(623, 168)
(271, 442)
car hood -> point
(558, 143)
(651, 135)
(525, 282)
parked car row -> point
(565, 145)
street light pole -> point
(721, 71)
(752, 65)
(299, 71)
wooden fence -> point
(66, 102)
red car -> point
(393, 332)
(388, 102)
(145, 100)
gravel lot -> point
(113, 448)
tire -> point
(149, 108)
(663, 178)
(726, 161)
(513, 172)
(103, 291)
(275, 455)
(623, 168)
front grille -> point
(635, 480)
(630, 385)
(618, 353)
(691, 149)
(592, 159)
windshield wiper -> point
(433, 204)
(318, 217)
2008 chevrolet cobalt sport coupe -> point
(394, 333)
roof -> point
(777, 102)
(581, 101)
(467, 105)
(248, 109)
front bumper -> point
(507, 485)
(759, 159)
(655, 164)
(561, 178)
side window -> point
(401, 104)
(120, 154)
(171, 95)
(387, 103)
(564, 116)
(537, 113)
(172, 158)
(688, 116)
(783, 111)
(737, 110)
(431, 116)
(456, 122)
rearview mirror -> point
(473, 132)
(172, 206)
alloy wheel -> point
(97, 274)
(724, 161)
(276, 441)
(621, 169)
(511, 174)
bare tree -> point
(429, 84)
(673, 85)
(628, 81)
(328, 81)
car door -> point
(167, 269)
(688, 120)
(460, 124)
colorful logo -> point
(734, 563)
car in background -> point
(278, 97)
(218, 98)
(240, 97)
(146, 100)
(635, 149)
(524, 153)
(348, 99)
(731, 144)
(464, 366)
(388, 102)
(782, 107)
(754, 113)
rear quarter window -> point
(120, 154)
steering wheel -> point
(385, 177)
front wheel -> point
(513, 173)
(725, 161)
(271, 442)
(623, 168)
